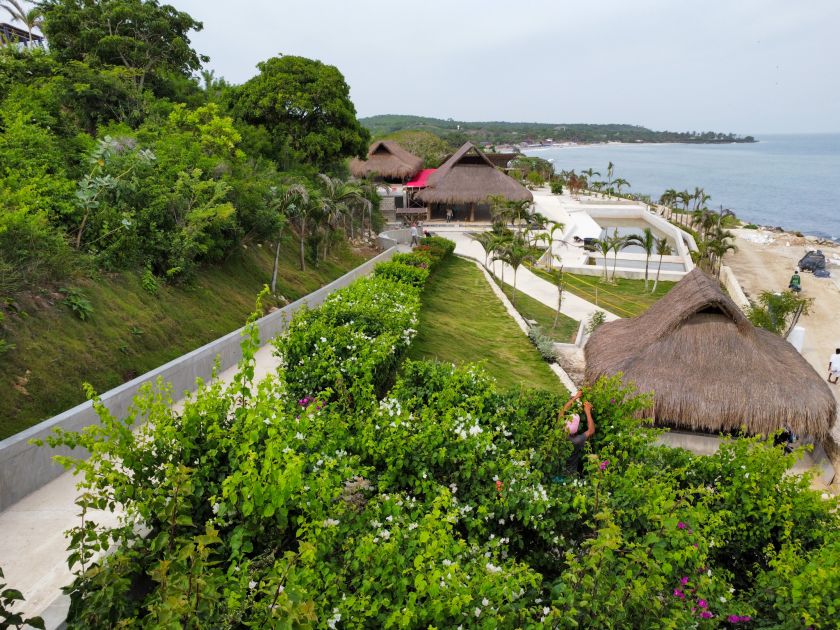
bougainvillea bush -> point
(330, 495)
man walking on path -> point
(414, 234)
(834, 367)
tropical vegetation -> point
(347, 489)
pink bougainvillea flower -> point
(733, 619)
(706, 614)
(702, 603)
(603, 465)
(679, 593)
(681, 525)
(684, 581)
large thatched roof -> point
(709, 368)
(469, 177)
(387, 159)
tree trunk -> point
(647, 262)
(513, 301)
(276, 264)
(302, 243)
(472, 212)
(559, 299)
(657, 274)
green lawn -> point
(462, 320)
(131, 331)
(625, 298)
(534, 310)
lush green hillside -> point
(458, 131)
(131, 331)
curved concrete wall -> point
(24, 468)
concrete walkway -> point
(33, 548)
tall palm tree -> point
(604, 246)
(590, 173)
(716, 248)
(338, 199)
(685, 198)
(555, 227)
(486, 240)
(31, 18)
(647, 241)
(617, 243)
(621, 183)
(560, 286)
(285, 205)
(662, 249)
(610, 181)
(516, 253)
(668, 199)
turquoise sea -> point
(792, 181)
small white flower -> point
(252, 585)
(412, 526)
(477, 611)
(331, 522)
(300, 436)
(722, 599)
(215, 508)
(709, 573)
(485, 602)
(546, 610)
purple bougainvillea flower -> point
(702, 603)
(681, 525)
(612, 401)
(684, 581)
(604, 464)
(679, 593)
(706, 614)
(746, 618)
(733, 619)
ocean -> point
(792, 181)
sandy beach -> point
(765, 260)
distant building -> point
(12, 35)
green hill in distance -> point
(456, 132)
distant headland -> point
(520, 135)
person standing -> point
(414, 234)
(834, 367)
(795, 282)
(573, 463)
(449, 215)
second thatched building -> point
(709, 369)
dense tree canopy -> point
(143, 36)
(305, 104)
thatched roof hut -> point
(387, 159)
(709, 368)
(468, 177)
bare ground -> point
(768, 267)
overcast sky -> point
(746, 66)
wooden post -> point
(472, 213)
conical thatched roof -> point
(469, 177)
(709, 368)
(387, 159)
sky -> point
(742, 66)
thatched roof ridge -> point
(709, 368)
(469, 177)
(387, 158)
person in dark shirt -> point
(573, 463)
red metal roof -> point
(421, 178)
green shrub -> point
(324, 497)
(78, 302)
(415, 276)
(750, 226)
(556, 187)
(149, 282)
(9, 597)
(596, 319)
(543, 343)
(417, 258)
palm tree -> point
(285, 205)
(486, 240)
(500, 209)
(716, 248)
(647, 241)
(617, 243)
(301, 213)
(560, 286)
(514, 255)
(498, 244)
(590, 173)
(668, 199)
(610, 181)
(620, 183)
(31, 18)
(555, 227)
(685, 198)
(338, 200)
(604, 246)
(662, 249)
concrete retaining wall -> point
(733, 287)
(24, 468)
(392, 238)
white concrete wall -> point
(25, 467)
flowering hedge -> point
(318, 499)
